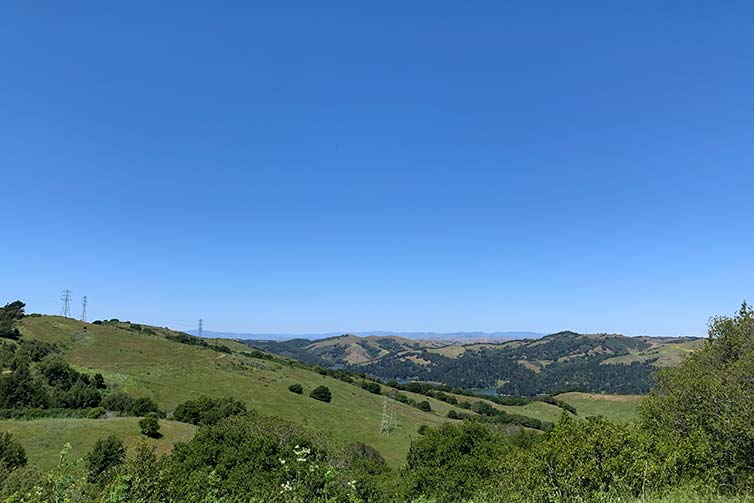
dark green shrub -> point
(401, 398)
(95, 412)
(117, 402)
(106, 454)
(452, 462)
(296, 388)
(206, 410)
(244, 455)
(581, 458)
(23, 480)
(98, 381)
(423, 429)
(150, 426)
(81, 396)
(371, 387)
(321, 393)
(12, 453)
(143, 406)
(424, 405)
(37, 350)
(8, 315)
(141, 477)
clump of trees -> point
(205, 410)
(126, 405)
(9, 314)
(321, 393)
(34, 377)
(371, 387)
(36, 381)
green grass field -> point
(43, 439)
(615, 407)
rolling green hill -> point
(145, 361)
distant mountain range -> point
(564, 361)
(445, 336)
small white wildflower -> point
(301, 452)
(286, 487)
(282, 461)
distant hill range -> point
(564, 361)
(447, 336)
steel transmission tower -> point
(389, 419)
(83, 309)
(65, 310)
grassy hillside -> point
(43, 439)
(346, 349)
(170, 372)
(615, 407)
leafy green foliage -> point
(150, 426)
(127, 405)
(249, 457)
(106, 454)
(707, 403)
(206, 410)
(424, 406)
(190, 340)
(296, 388)
(12, 454)
(581, 458)
(321, 393)
(371, 387)
(8, 315)
(451, 462)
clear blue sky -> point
(380, 165)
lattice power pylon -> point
(389, 418)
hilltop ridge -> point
(563, 361)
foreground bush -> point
(253, 456)
(106, 454)
(581, 458)
(451, 462)
(706, 404)
(12, 453)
